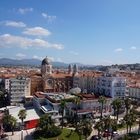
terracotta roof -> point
(60, 75)
(88, 96)
(134, 86)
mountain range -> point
(31, 62)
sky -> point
(87, 31)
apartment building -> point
(111, 85)
(19, 88)
(134, 92)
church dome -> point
(45, 61)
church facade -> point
(57, 81)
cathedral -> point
(57, 81)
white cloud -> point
(44, 15)
(25, 10)
(118, 50)
(74, 53)
(37, 31)
(133, 48)
(51, 58)
(57, 46)
(48, 17)
(37, 57)
(7, 40)
(15, 24)
(20, 55)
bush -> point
(38, 133)
(52, 132)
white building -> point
(112, 86)
(85, 82)
(89, 106)
(7, 84)
(134, 92)
(19, 88)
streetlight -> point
(21, 134)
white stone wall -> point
(111, 86)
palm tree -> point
(100, 127)
(62, 107)
(22, 115)
(108, 124)
(102, 101)
(127, 103)
(130, 119)
(116, 105)
(76, 101)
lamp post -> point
(22, 128)
(21, 134)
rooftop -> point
(31, 113)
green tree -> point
(1, 98)
(13, 122)
(76, 101)
(99, 126)
(79, 129)
(46, 128)
(62, 108)
(130, 119)
(45, 123)
(9, 122)
(102, 101)
(86, 128)
(116, 105)
(127, 103)
(108, 123)
(22, 115)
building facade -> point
(19, 88)
(112, 86)
(56, 82)
(134, 92)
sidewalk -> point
(17, 135)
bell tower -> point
(46, 68)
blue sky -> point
(87, 31)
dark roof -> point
(45, 61)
